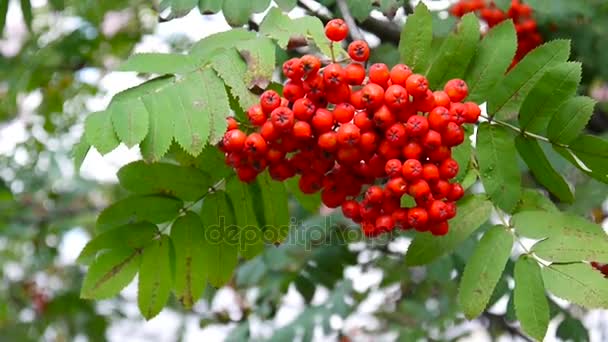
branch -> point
(502, 323)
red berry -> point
(323, 120)
(412, 150)
(417, 126)
(351, 209)
(234, 140)
(456, 192)
(344, 112)
(302, 130)
(354, 74)
(417, 218)
(400, 73)
(268, 132)
(384, 118)
(438, 211)
(363, 121)
(441, 98)
(328, 141)
(333, 197)
(419, 188)
(439, 228)
(396, 135)
(385, 223)
(412, 169)
(293, 90)
(349, 135)
(293, 69)
(393, 168)
(369, 141)
(372, 96)
(417, 85)
(430, 172)
(397, 186)
(396, 97)
(379, 74)
(452, 135)
(303, 109)
(472, 112)
(431, 140)
(311, 64)
(246, 174)
(282, 119)
(255, 145)
(231, 123)
(270, 100)
(374, 194)
(448, 168)
(439, 118)
(456, 89)
(358, 51)
(333, 75)
(256, 115)
(336, 30)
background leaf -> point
(570, 119)
(531, 306)
(130, 121)
(541, 168)
(110, 273)
(416, 37)
(578, 283)
(152, 208)
(498, 165)
(492, 59)
(483, 270)
(155, 277)
(237, 12)
(99, 132)
(508, 94)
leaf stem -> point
(522, 132)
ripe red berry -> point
(400, 73)
(430, 172)
(293, 69)
(396, 97)
(385, 223)
(256, 115)
(439, 228)
(412, 169)
(438, 211)
(379, 74)
(412, 150)
(456, 89)
(393, 168)
(333, 75)
(439, 154)
(246, 174)
(231, 123)
(354, 74)
(344, 112)
(417, 126)
(417, 85)
(351, 209)
(363, 121)
(458, 113)
(328, 141)
(358, 51)
(419, 188)
(425, 103)
(268, 132)
(431, 140)
(349, 135)
(310, 182)
(400, 218)
(397, 186)
(322, 121)
(311, 64)
(293, 90)
(396, 134)
(456, 192)
(440, 188)
(472, 112)
(453, 135)
(234, 140)
(441, 98)
(369, 141)
(303, 109)
(302, 130)
(255, 145)
(374, 194)
(417, 218)
(270, 100)
(448, 168)
(372, 96)
(333, 197)
(282, 119)
(336, 30)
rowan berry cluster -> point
(363, 139)
(601, 267)
(528, 36)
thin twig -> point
(523, 132)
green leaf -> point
(26, 11)
(275, 214)
(155, 277)
(79, 153)
(578, 283)
(286, 5)
(531, 200)
(504, 5)
(360, 9)
(492, 59)
(161, 126)
(506, 97)
(159, 63)
(589, 154)
(531, 306)
(310, 202)
(231, 67)
(416, 38)
(407, 201)
(130, 121)
(305, 287)
(260, 59)
(110, 273)
(541, 168)
(573, 248)
(483, 270)
(260, 5)
(455, 53)
(222, 233)
(210, 6)
(473, 211)
(498, 165)
(191, 265)
(552, 89)
(155, 209)
(130, 236)
(179, 8)
(250, 235)
(237, 12)
(3, 11)
(186, 183)
(99, 133)
(570, 119)
(571, 329)
(207, 47)
(541, 224)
